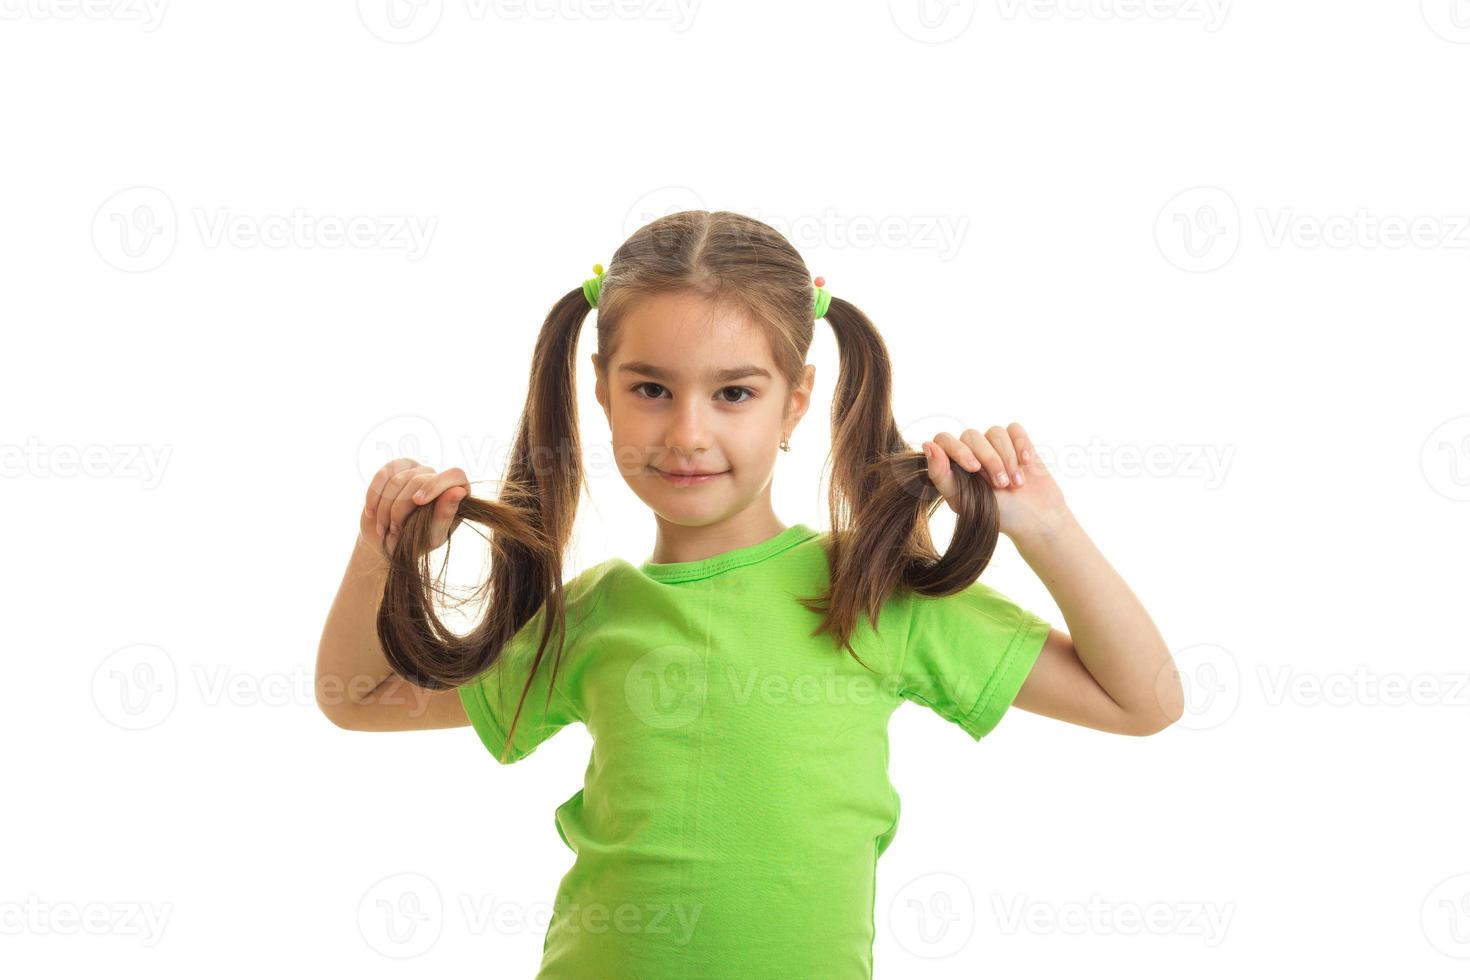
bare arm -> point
(355, 687)
(1114, 673)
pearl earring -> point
(785, 444)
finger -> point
(453, 476)
(404, 504)
(1025, 448)
(959, 452)
(1006, 450)
(390, 496)
(379, 484)
(444, 511)
(445, 490)
(390, 492)
(448, 503)
(939, 470)
(978, 453)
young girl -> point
(737, 685)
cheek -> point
(755, 449)
(635, 441)
(627, 422)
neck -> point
(680, 543)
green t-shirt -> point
(737, 796)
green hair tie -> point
(821, 300)
(592, 288)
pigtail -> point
(881, 497)
(529, 526)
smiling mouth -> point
(691, 472)
(688, 479)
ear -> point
(601, 389)
(801, 395)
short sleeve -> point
(968, 654)
(490, 699)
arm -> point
(355, 687)
(1114, 673)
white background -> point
(1213, 256)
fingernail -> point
(1001, 478)
(1020, 480)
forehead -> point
(689, 334)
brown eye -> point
(737, 388)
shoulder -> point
(591, 581)
(588, 592)
(978, 610)
(583, 594)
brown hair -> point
(880, 496)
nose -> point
(688, 432)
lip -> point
(679, 480)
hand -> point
(1027, 496)
(397, 489)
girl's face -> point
(693, 388)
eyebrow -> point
(724, 374)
